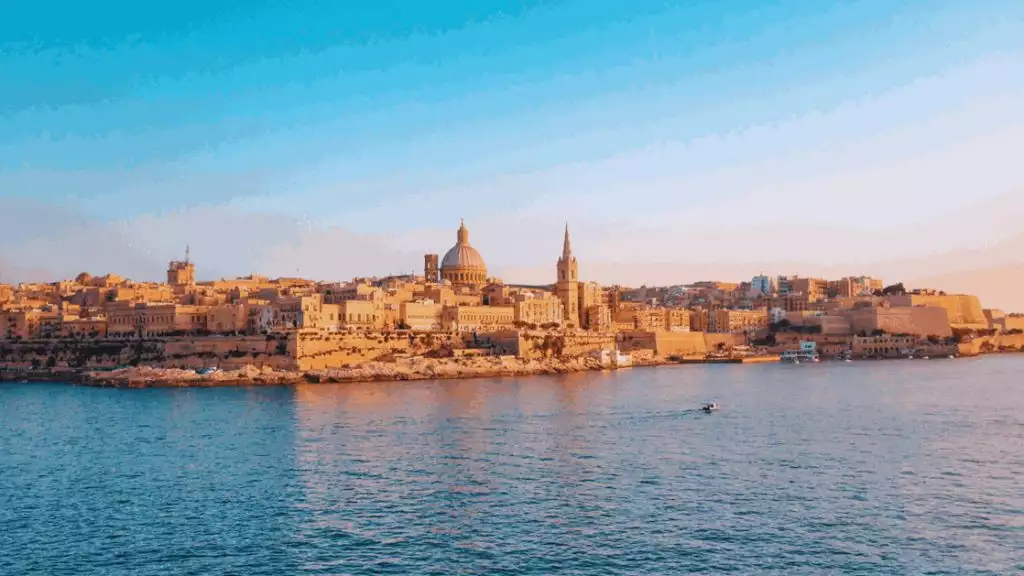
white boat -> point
(709, 406)
(805, 354)
(951, 357)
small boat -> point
(710, 407)
(951, 357)
(924, 358)
(847, 360)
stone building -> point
(473, 318)
(539, 309)
(181, 275)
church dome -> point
(463, 264)
(462, 256)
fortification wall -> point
(197, 352)
(316, 351)
(963, 310)
(684, 344)
(995, 343)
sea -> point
(868, 467)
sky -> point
(681, 140)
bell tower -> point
(567, 285)
(181, 274)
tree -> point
(894, 290)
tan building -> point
(181, 275)
(599, 318)
(361, 314)
(814, 288)
(497, 294)
(854, 286)
(226, 318)
(149, 320)
(20, 323)
(353, 291)
(700, 320)
(538, 309)
(725, 321)
(590, 294)
(886, 346)
(677, 320)
(423, 316)
(476, 318)
(77, 327)
(795, 302)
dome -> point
(463, 265)
(462, 256)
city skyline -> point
(682, 142)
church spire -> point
(567, 245)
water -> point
(900, 467)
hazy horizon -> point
(682, 141)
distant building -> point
(181, 274)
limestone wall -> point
(684, 344)
(712, 340)
(995, 343)
(963, 310)
(315, 351)
(917, 320)
(532, 345)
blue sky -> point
(389, 121)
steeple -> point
(186, 253)
(463, 234)
(567, 283)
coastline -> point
(418, 369)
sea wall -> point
(683, 344)
(197, 352)
(316, 350)
(995, 343)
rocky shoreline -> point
(411, 369)
(397, 371)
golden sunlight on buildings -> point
(454, 308)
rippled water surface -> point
(901, 467)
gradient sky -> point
(678, 138)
